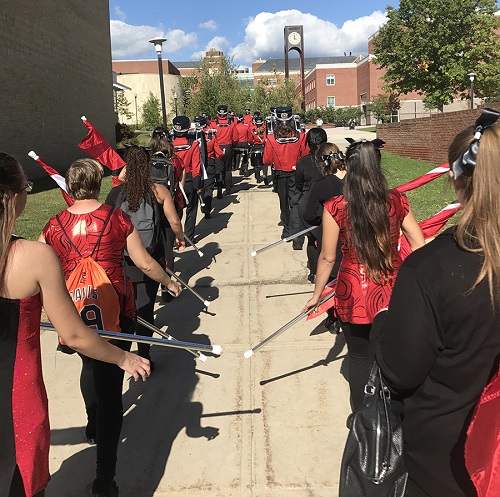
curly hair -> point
(284, 129)
(137, 177)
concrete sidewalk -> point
(272, 425)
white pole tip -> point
(202, 358)
(253, 254)
(83, 118)
(248, 354)
(33, 155)
(200, 253)
(206, 303)
(217, 349)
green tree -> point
(429, 46)
(384, 106)
(151, 112)
(122, 105)
(215, 84)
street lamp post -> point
(175, 102)
(158, 42)
(136, 120)
(471, 75)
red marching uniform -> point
(227, 136)
(189, 154)
(284, 156)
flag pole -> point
(283, 240)
(295, 320)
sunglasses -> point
(28, 187)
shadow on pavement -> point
(333, 355)
(155, 412)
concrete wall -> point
(56, 67)
(427, 138)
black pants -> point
(258, 167)
(191, 208)
(357, 337)
(228, 164)
(145, 296)
(312, 250)
(283, 181)
(101, 385)
(209, 184)
(295, 222)
(17, 486)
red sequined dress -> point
(24, 421)
(357, 298)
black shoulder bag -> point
(372, 463)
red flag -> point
(430, 227)
(482, 447)
(55, 176)
(322, 308)
(97, 147)
(426, 178)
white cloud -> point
(216, 43)
(128, 41)
(264, 35)
(210, 25)
(120, 14)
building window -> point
(330, 101)
(330, 80)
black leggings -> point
(101, 385)
(17, 486)
(145, 297)
(357, 337)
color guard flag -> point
(97, 147)
(426, 178)
(329, 288)
(430, 227)
(54, 175)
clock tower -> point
(294, 40)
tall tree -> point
(122, 105)
(430, 46)
(151, 112)
(216, 84)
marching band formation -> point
(408, 319)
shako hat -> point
(181, 124)
(222, 110)
(284, 113)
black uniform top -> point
(306, 173)
(321, 191)
(438, 346)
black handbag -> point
(372, 463)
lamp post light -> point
(175, 102)
(136, 120)
(471, 75)
(415, 106)
(158, 42)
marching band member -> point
(227, 137)
(257, 141)
(242, 145)
(188, 150)
(284, 148)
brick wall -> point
(428, 138)
(56, 67)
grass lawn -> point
(425, 201)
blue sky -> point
(245, 30)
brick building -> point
(56, 67)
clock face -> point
(294, 38)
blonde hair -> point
(83, 179)
(12, 180)
(478, 229)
